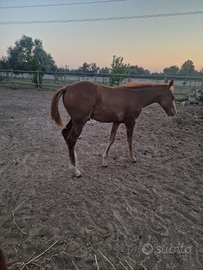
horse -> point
(3, 265)
(86, 100)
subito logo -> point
(147, 249)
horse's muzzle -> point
(172, 112)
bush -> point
(117, 67)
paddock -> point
(146, 215)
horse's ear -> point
(170, 84)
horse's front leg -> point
(129, 128)
(111, 141)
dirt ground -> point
(147, 215)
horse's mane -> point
(134, 84)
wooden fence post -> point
(65, 76)
(12, 77)
(37, 80)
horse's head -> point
(167, 100)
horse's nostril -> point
(171, 113)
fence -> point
(12, 78)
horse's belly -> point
(107, 117)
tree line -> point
(29, 54)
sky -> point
(153, 43)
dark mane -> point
(135, 84)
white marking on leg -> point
(76, 172)
(76, 159)
(105, 152)
(104, 161)
(74, 168)
(132, 158)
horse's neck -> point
(150, 95)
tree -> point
(4, 63)
(17, 55)
(20, 55)
(135, 70)
(33, 63)
(84, 68)
(171, 71)
(93, 68)
(89, 68)
(117, 67)
(104, 70)
(187, 69)
(46, 61)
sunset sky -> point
(152, 43)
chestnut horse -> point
(86, 100)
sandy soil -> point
(147, 215)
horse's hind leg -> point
(111, 141)
(66, 131)
(71, 141)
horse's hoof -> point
(104, 163)
(133, 159)
(75, 171)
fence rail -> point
(182, 84)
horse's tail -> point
(55, 115)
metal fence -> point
(12, 78)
